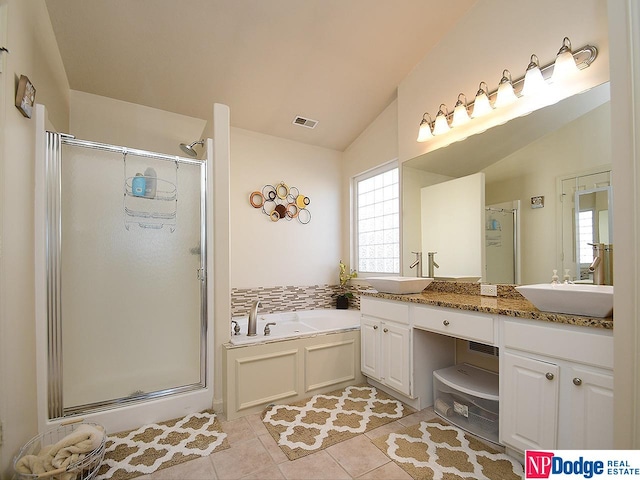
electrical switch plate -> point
(489, 290)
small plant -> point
(343, 296)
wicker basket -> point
(83, 469)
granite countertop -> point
(509, 302)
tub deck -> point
(296, 325)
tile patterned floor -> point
(254, 454)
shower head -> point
(189, 150)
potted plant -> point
(342, 298)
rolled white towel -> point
(76, 445)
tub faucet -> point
(417, 263)
(432, 264)
(253, 318)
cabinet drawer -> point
(586, 345)
(385, 309)
(454, 323)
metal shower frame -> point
(53, 232)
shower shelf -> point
(152, 212)
(165, 190)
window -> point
(378, 221)
(585, 236)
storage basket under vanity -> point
(467, 397)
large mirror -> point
(526, 163)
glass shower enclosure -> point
(126, 275)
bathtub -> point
(308, 352)
(296, 324)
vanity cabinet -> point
(529, 410)
(454, 323)
(552, 396)
(385, 339)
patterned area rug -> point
(435, 450)
(310, 425)
(161, 445)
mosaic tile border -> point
(289, 298)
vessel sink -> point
(570, 298)
(399, 285)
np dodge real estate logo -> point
(601, 464)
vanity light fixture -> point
(565, 65)
(481, 105)
(424, 132)
(460, 112)
(506, 94)
(534, 82)
(441, 124)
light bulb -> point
(505, 95)
(442, 124)
(460, 113)
(534, 82)
(565, 65)
(424, 132)
(481, 105)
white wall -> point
(492, 36)
(266, 253)
(452, 220)
(624, 18)
(377, 145)
(34, 53)
(105, 120)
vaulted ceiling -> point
(335, 61)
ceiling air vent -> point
(305, 122)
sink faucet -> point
(432, 263)
(417, 263)
(596, 266)
(253, 318)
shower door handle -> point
(202, 274)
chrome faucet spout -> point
(596, 267)
(417, 263)
(431, 264)
(253, 319)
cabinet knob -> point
(549, 376)
(446, 323)
(375, 327)
(577, 381)
(385, 330)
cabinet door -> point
(591, 408)
(396, 342)
(529, 410)
(370, 348)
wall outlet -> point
(489, 290)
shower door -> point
(127, 281)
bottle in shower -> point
(138, 185)
(151, 182)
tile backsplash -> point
(288, 298)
